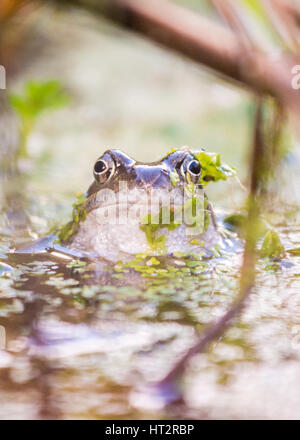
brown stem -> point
(284, 21)
(248, 267)
(205, 42)
(229, 11)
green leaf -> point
(237, 222)
(37, 97)
(212, 169)
(78, 215)
(19, 105)
(272, 246)
(295, 252)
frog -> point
(133, 207)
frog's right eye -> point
(103, 170)
(100, 167)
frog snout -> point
(151, 176)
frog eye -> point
(100, 167)
(194, 168)
(103, 170)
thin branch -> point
(205, 42)
(284, 21)
(291, 8)
(229, 11)
(247, 278)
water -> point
(82, 336)
(103, 325)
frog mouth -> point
(139, 207)
(133, 204)
(136, 213)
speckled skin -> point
(124, 191)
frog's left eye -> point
(194, 170)
(103, 170)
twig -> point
(284, 21)
(291, 8)
(229, 11)
(206, 42)
(248, 267)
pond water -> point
(80, 336)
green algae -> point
(236, 221)
(174, 177)
(272, 246)
(152, 223)
(79, 214)
(212, 168)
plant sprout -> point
(37, 97)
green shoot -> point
(37, 97)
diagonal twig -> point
(248, 267)
(204, 41)
(284, 20)
(229, 11)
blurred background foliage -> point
(36, 98)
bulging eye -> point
(194, 168)
(100, 167)
(191, 169)
(103, 170)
